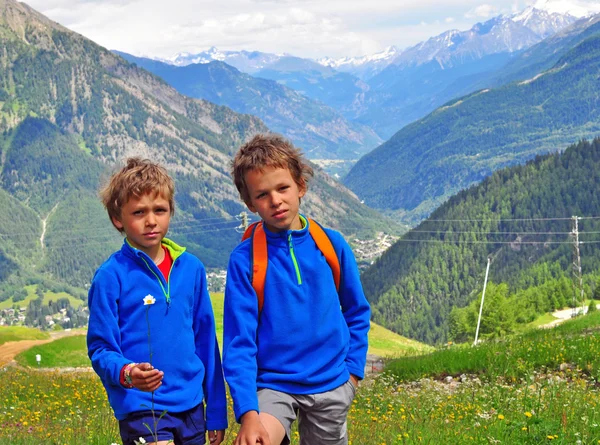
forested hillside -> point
(520, 216)
(70, 112)
(464, 141)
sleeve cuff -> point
(244, 409)
(216, 425)
(360, 373)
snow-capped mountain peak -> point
(386, 55)
(567, 7)
(185, 58)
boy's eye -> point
(138, 212)
(284, 187)
(261, 195)
(161, 210)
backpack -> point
(260, 258)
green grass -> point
(217, 300)
(545, 405)
(18, 333)
(64, 352)
(540, 321)
(48, 296)
(515, 358)
(385, 343)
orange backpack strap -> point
(259, 260)
(324, 244)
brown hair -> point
(137, 178)
(269, 150)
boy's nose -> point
(275, 200)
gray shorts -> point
(321, 417)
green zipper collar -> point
(175, 250)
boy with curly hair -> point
(151, 335)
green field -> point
(48, 296)
(534, 388)
(385, 343)
(18, 333)
(575, 343)
(64, 352)
(217, 304)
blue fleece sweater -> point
(182, 333)
(302, 343)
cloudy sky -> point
(306, 28)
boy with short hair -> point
(303, 351)
(151, 335)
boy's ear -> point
(302, 190)
(250, 207)
(118, 224)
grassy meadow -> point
(18, 333)
(68, 352)
(538, 387)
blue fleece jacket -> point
(301, 343)
(182, 333)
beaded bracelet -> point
(127, 374)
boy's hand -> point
(252, 431)
(354, 380)
(216, 437)
(145, 378)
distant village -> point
(45, 317)
(13, 316)
(365, 251)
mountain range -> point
(469, 137)
(321, 131)
(391, 89)
(71, 111)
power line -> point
(97, 243)
(53, 246)
(450, 232)
(217, 224)
(489, 242)
(510, 219)
(84, 231)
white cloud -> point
(307, 28)
(482, 11)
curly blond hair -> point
(137, 178)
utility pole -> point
(576, 268)
(487, 270)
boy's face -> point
(145, 221)
(275, 196)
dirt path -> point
(9, 350)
